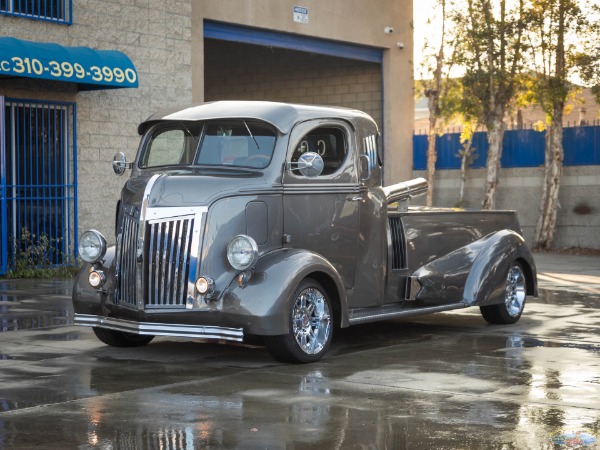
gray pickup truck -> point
(246, 219)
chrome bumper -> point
(161, 329)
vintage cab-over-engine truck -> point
(245, 219)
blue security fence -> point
(38, 196)
(521, 148)
(60, 11)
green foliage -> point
(34, 257)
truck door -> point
(321, 214)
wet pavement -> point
(444, 381)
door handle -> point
(357, 198)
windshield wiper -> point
(251, 135)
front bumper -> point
(161, 329)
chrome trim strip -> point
(161, 329)
(364, 315)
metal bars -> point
(39, 217)
(397, 243)
(50, 10)
(127, 252)
(162, 267)
(169, 256)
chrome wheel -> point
(311, 321)
(310, 330)
(514, 293)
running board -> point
(374, 314)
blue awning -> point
(89, 68)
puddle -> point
(70, 336)
(35, 322)
(528, 342)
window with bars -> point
(51, 10)
(37, 182)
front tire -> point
(311, 326)
(116, 338)
(515, 293)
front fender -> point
(486, 281)
(89, 300)
(266, 299)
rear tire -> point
(515, 293)
(120, 338)
(311, 326)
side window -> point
(329, 142)
(166, 148)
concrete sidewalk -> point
(570, 272)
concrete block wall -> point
(156, 35)
(578, 221)
(248, 72)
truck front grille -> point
(127, 252)
(158, 272)
(169, 245)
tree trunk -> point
(495, 138)
(431, 158)
(549, 204)
(465, 162)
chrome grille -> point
(127, 251)
(397, 235)
(169, 245)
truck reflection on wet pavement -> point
(425, 382)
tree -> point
(435, 89)
(559, 32)
(492, 57)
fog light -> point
(96, 278)
(205, 285)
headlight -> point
(242, 252)
(92, 246)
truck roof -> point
(282, 116)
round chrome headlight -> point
(242, 252)
(92, 246)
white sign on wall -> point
(300, 14)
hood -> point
(192, 188)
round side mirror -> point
(310, 164)
(119, 163)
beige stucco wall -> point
(165, 41)
(156, 35)
(353, 21)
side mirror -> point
(120, 164)
(310, 164)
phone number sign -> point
(81, 65)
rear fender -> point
(486, 281)
(268, 295)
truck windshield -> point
(238, 143)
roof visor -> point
(89, 68)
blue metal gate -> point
(38, 192)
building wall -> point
(165, 41)
(578, 220)
(249, 72)
(156, 35)
(352, 21)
